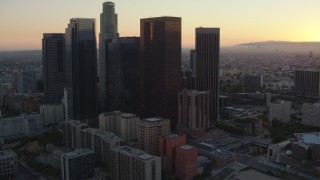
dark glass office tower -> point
(207, 66)
(54, 70)
(81, 66)
(122, 74)
(161, 55)
(108, 31)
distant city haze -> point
(241, 21)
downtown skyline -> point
(241, 22)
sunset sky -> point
(24, 21)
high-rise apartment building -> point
(132, 164)
(108, 31)
(78, 164)
(101, 142)
(124, 125)
(167, 150)
(186, 162)
(194, 108)
(149, 132)
(161, 56)
(81, 69)
(54, 67)
(72, 133)
(307, 83)
(207, 65)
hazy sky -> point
(22, 22)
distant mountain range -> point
(280, 43)
(277, 46)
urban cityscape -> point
(91, 103)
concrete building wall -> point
(101, 142)
(20, 126)
(194, 111)
(311, 114)
(72, 133)
(78, 164)
(122, 124)
(280, 111)
(132, 164)
(52, 113)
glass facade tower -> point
(161, 56)
(81, 66)
(54, 70)
(122, 74)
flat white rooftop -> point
(186, 147)
(308, 138)
(145, 156)
(153, 119)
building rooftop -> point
(77, 152)
(153, 119)
(186, 147)
(118, 113)
(108, 136)
(135, 152)
(174, 135)
(4, 154)
(74, 122)
(308, 138)
(145, 156)
(128, 115)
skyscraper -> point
(81, 66)
(161, 56)
(108, 31)
(207, 65)
(54, 69)
(121, 76)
